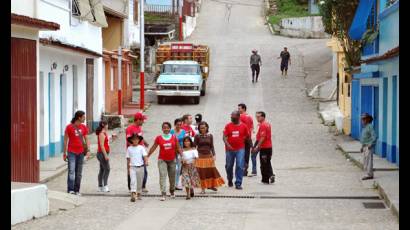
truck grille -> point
(169, 87)
(186, 87)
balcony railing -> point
(161, 9)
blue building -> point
(375, 89)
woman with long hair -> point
(77, 146)
(103, 156)
(180, 134)
(205, 164)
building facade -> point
(70, 70)
(25, 90)
(375, 89)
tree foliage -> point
(337, 16)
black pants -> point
(104, 170)
(255, 68)
(247, 155)
(284, 66)
(144, 180)
(265, 155)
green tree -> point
(337, 16)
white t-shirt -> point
(136, 155)
(189, 155)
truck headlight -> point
(196, 87)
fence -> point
(165, 10)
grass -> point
(289, 9)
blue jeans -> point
(231, 157)
(75, 170)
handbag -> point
(82, 140)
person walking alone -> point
(263, 145)
(77, 146)
(136, 128)
(103, 155)
(234, 135)
(368, 140)
(285, 61)
(248, 121)
(256, 63)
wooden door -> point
(90, 93)
(24, 162)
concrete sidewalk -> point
(386, 179)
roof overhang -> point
(388, 54)
(59, 44)
(26, 21)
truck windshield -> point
(180, 69)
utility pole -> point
(119, 80)
(142, 41)
(180, 2)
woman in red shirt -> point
(168, 150)
(77, 145)
(102, 156)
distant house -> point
(375, 89)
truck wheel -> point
(196, 100)
(161, 99)
(203, 90)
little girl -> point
(136, 158)
(190, 177)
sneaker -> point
(144, 190)
(238, 187)
(162, 198)
(230, 184)
(272, 179)
(71, 192)
(133, 197)
(100, 189)
(172, 195)
(179, 189)
(106, 189)
(78, 193)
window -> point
(75, 10)
(136, 11)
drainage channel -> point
(248, 196)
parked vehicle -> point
(182, 70)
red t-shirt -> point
(75, 144)
(167, 148)
(264, 131)
(236, 135)
(247, 120)
(106, 146)
(131, 130)
(188, 129)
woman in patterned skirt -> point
(189, 175)
(205, 164)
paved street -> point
(316, 187)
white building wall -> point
(133, 29)
(79, 33)
(24, 7)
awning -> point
(98, 11)
(33, 22)
(85, 10)
(372, 74)
(359, 23)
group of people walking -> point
(187, 153)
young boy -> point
(136, 158)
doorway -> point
(90, 93)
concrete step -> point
(28, 201)
(387, 185)
(62, 201)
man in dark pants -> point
(263, 145)
(248, 121)
(285, 56)
(255, 62)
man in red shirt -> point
(187, 120)
(235, 135)
(263, 145)
(136, 128)
(248, 121)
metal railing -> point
(161, 9)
